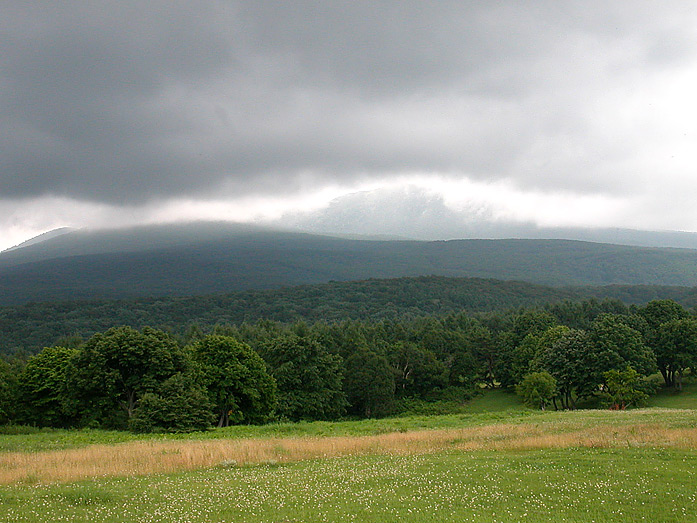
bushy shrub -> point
(537, 389)
(625, 388)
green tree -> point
(676, 349)
(43, 393)
(623, 388)
(566, 360)
(179, 405)
(417, 371)
(615, 345)
(526, 356)
(486, 350)
(238, 384)
(369, 384)
(579, 359)
(655, 314)
(658, 312)
(8, 391)
(111, 372)
(533, 322)
(544, 342)
(521, 357)
(537, 389)
(309, 378)
(441, 341)
(463, 369)
(504, 363)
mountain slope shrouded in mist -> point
(205, 258)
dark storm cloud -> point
(136, 101)
(83, 85)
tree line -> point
(149, 380)
(32, 326)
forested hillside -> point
(34, 325)
(191, 260)
(564, 356)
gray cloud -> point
(406, 213)
(140, 101)
(411, 212)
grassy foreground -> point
(511, 465)
(580, 485)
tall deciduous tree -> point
(463, 369)
(369, 383)
(656, 313)
(238, 384)
(579, 359)
(309, 378)
(486, 349)
(115, 368)
(676, 349)
(566, 361)
(417, 371)
(527, 356)
(534, 322)
(43, 392)
(615, 345)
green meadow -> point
(581, 483)
(553, 485)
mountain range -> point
(211, 257)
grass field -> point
(496, 462)
(576, 484)
(493, 406)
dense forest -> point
(35, 325)
(561, 356)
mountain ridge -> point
(207, 258)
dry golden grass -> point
(152, 457)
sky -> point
(547, 112)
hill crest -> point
(198, 259)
